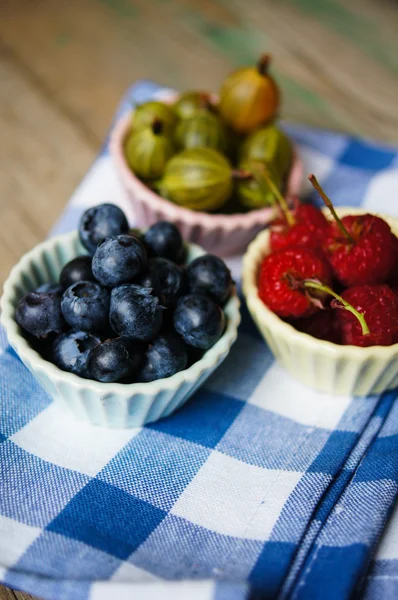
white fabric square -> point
(388, 547)
(127, 572)
(233, 498)
(381, 189)
(279, 393)
(194, 590)
(314, 162)
(15, 539)
(58, 438)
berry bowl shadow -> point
(319, 364)
(222, 234)
(106, 404)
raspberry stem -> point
(280, 200)
(308, 283)
(315, 184)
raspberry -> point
(393, 280)
(368, 258)
(304, 226)
(379, 307)
(359, 247)
(281, 282)
(321, 325)
(308, 229)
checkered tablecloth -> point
(257, 488)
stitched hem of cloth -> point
(303, 561)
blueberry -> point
(135, 313)
(165, 356)
(163, 239)
(85, 306)
(100, 222)
(166, 280)
(49, 287)
(199, 321)
(119, 260)
(210, 276)
(114, 360)
(78, 269)
(71, 350)
(40, 313)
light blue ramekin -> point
(105, 404)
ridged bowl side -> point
(222, 234)
(324, 366)
(109, 405)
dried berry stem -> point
(308, 283)
(263, 64)
(280, 200)
(315, 184)
(241, 174)
(157, 126)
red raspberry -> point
(358, 247)
(281, 282)
(393, 280)
(366, 257)
(308, 229)
(379, 306)
(321, 325)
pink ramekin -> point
(221, 234)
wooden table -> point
(64, 66)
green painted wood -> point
(338, 16)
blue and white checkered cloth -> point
(257, 488)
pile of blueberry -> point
(131, 310)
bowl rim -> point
(31, 357)
(251, 218)
(251, 262)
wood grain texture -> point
(64, 66)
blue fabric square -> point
(345, 186)
(387, 566)
(48, 588)
(32, 490)
(327, 143)
(334, 453)
(335, 581)
(70, 559)
(226, 590)
(365, 155)
(247, 325)
(107, 518)
(22, 397)
(270, 568)
(178, 549)
(241, 372)
(214, 411)
(266, 439)
(155, 467)
(299, 507)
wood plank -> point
(86, 52)
(23, 596)
(44, 157)
(7, 594)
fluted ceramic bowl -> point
(322, 365)
(106, 404)
(222, 234)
